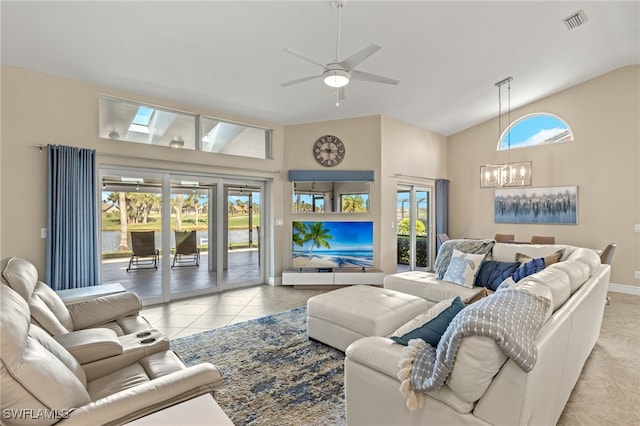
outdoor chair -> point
(187, 251)
(144, 253)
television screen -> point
(332, 245)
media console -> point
(338, 276)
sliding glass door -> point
(199, 233)
(192, 238)
(242, 238)
(414, 228)
(131, 236)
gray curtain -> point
(442, 209)
(72, 257)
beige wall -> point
(419, 157)
(361, 138)
(42, 109)
(604, 162)
(379, 143)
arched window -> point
(540, 128)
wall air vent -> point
(575, 20)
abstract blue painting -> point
(552, 205)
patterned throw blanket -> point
(466, 246)
(511, 317)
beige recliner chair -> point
(119, 312)
(100, 333)
(42, 383)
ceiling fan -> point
(337, 74)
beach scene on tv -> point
(332, 245)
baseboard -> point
(626, 289)
(274, 281)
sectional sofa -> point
(485, 387)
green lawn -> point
(111, 222)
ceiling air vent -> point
(575, 20)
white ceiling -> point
(228, 56)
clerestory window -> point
(129, 121)
(535, 129)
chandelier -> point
(505, 174)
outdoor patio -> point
(243, 266)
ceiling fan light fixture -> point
(336, 78)
(338, 74)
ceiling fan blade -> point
(365, 76)
(294, 53)
(299, 80)
(357, 58)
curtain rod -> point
(133, 157)
(397, 175)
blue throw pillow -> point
(531, 267)
(432, 331)
(492, 273)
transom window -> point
(535, 129)
(129, 121)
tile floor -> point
(591, 403)
(194, 315)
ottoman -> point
(340, 317)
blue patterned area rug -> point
(274, 375)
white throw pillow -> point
(463, 268)
(507, 283)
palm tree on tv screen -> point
(299, 234)
(319, 235)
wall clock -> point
(328, 151)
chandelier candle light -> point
(509, 174)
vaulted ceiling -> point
(229, 55)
